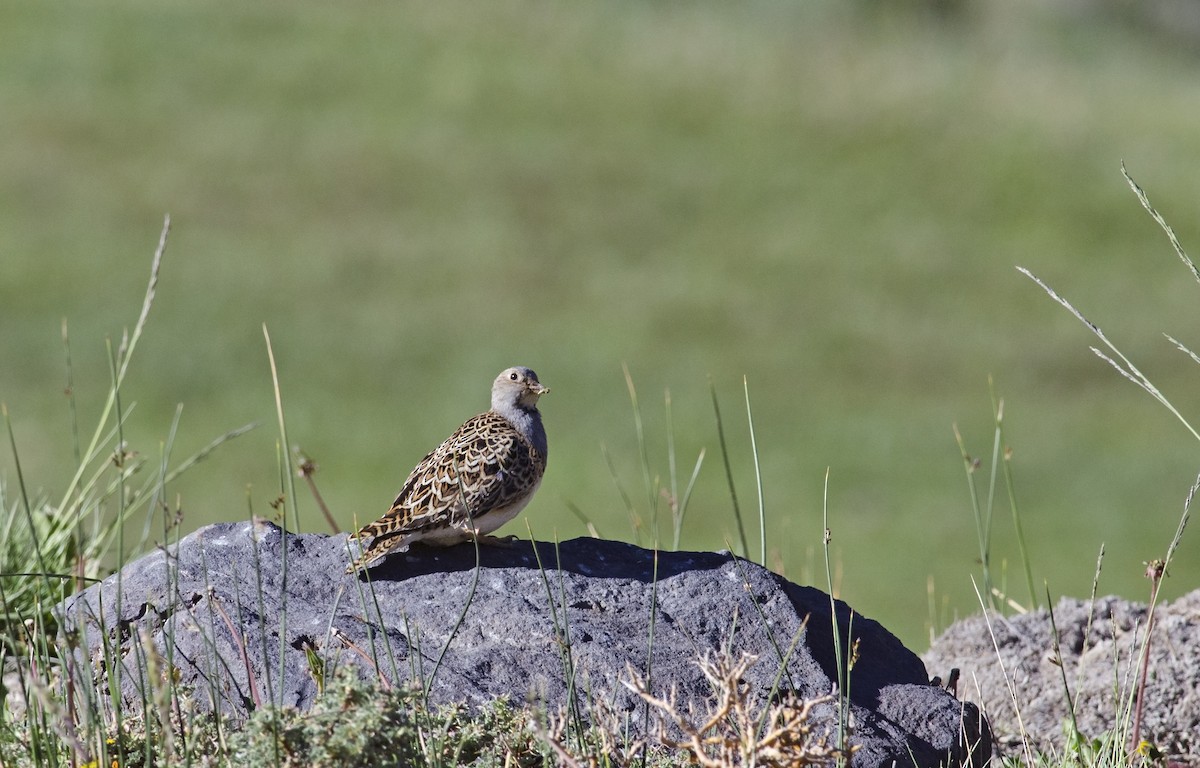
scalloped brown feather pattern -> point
(486, 463)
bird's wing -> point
(486, 463)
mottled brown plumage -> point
(479, 478)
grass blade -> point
(1124, 366)
(737, 510)
(1009, 487)
(762, 517)
(644, 456)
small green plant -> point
(352, 724)
(656, 492)
(1001, 464)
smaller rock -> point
(1101, 646)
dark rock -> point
(1101, 647)
(216, 604)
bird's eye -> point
(513, 375)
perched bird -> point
(474, 482)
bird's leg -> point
(494, 541)
(474, 533)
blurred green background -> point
(826, 198)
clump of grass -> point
(351, 724)
(730, 732)
(647, 519)
(676, 501)
(51, 549)
(982, 510)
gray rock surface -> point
(218, 603)
(1100, 649)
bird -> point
(477, 480)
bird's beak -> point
(539, 390)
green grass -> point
(825, 200)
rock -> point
(1101, 648)
(216, 604)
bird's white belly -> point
(486, 523)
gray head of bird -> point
(517, 386)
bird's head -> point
(517, 387)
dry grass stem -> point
(733, 732)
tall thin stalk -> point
(1009, 486)
(124, 355)
(737, 510)
(762, 515)
(839, 653)
(651, 485)
(289, 480)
